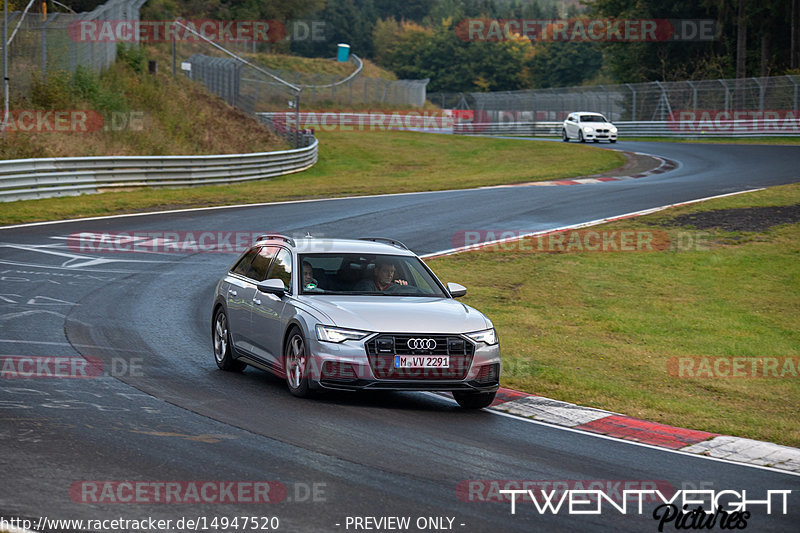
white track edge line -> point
(644, 444)
(599, 221)
(625, 441)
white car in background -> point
(586, 126)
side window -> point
(244, 263)
(282, 268)
(260, 265)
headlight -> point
(487, 336)
(332, 334)
(613, 129)
(587, 129)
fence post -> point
(633, 107)
(791, 79)
(314, 89)
(727, 94)
(760, 94)
(44, 47)
(237, 82)
(297, 120)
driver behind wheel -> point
(383, 279)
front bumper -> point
(346, 366)
(599, 136)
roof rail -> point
(393, 242)
(275, 236)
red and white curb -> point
(624, 427)
(665, 166)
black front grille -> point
(382, 349)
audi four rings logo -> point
(421, 344)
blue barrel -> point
(344, 52)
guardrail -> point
(697, 126)
(24, 179)
(685, 129)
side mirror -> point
(456, 290)
(272, 286)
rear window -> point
(243, 264)
(260, 265)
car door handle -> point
(256, 301)
(232, 292)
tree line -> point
(421, 38)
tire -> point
(474, 400)
(597, 140)
(564, 136)
(580, 136)
(612, 141)
(296, 364)
(221, 340)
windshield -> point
(593, 118)
(367, 274)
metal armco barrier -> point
(687, 129)
(695, 125)
(24, 179)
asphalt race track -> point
(163, 412)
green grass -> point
(142, 114)
(598, 329)
(354, 163)
(315, 65)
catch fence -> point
(759, 106)
(46, 43)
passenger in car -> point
(382, 278)
(309, 283)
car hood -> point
(399, 314)
(595, 125)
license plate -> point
(421, 361)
